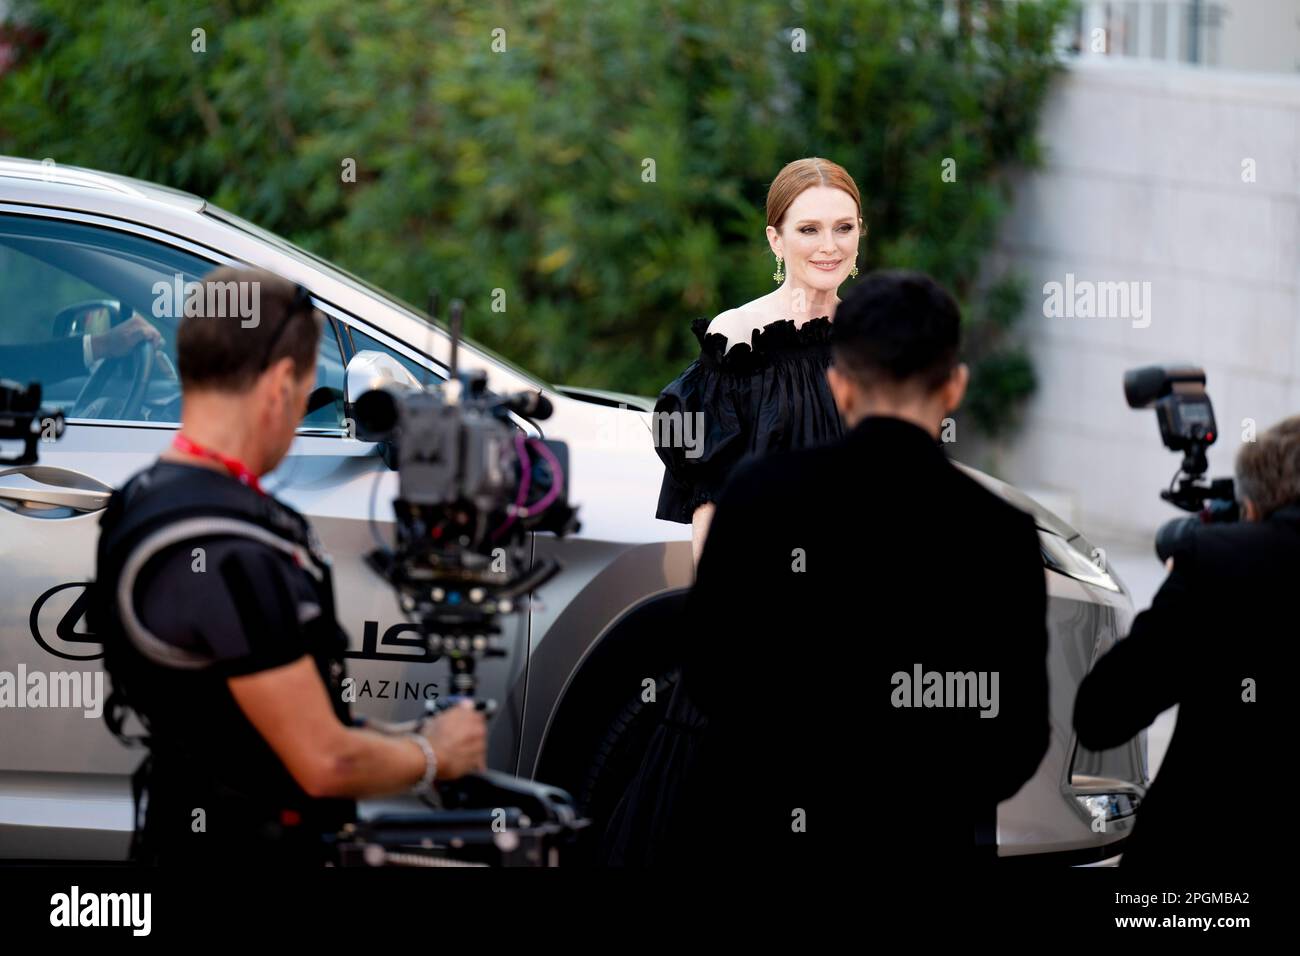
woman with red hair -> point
(759, 383)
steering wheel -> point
(138, 365)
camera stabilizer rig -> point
(504, 821)
(472, 487)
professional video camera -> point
(471, 486)
(1186, 419)
(23, 419)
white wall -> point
(1143, 182)
(1259, 34)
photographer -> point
(215, 605)
(1220, 624)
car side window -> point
(64, 283)
(329, 374)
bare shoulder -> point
(738, 324)
(726, 323)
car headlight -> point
(1063, 558)
(1105, 798)
(1112, 806)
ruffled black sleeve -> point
(753, 398)
(699, 431)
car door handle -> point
(37, 488)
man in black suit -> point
(834, 583)
(1222, 623)
(54, 360)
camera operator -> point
(215, 605)
(1220, 623)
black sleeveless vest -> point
(260, 816)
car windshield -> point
(362, 285)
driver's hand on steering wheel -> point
(121, 339)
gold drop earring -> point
(853, 273)
(778, 275)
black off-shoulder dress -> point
(765, 396)
(768, 395)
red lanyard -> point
(237, 468)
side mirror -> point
(372, 373)
(370, 370)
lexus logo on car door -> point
(54, 623)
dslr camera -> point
(1186, 419)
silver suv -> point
(81, 250)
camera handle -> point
(1191, 493)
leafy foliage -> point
(522, 170)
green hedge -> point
(523, 170)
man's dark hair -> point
(224, 348)
(897, 329)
